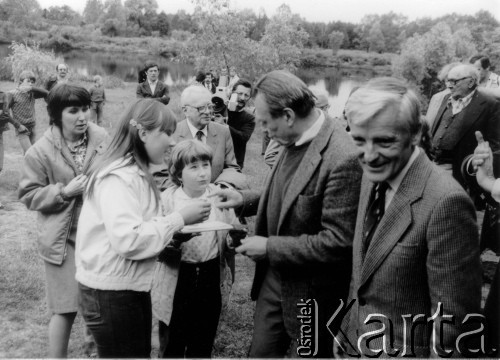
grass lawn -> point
(23, 313)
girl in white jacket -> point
(122, 229)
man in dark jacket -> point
(241, 121)
(152, 87)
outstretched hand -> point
(227, 198)
(483, 163)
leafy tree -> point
(31, 57)
(410, 65)
(285, 38)
(422, 56)
(22, 13)
(376, 38)
(335, 40)
(162, 24)
(63, 15)
(113, 18)
(93, 10)
(111, 27)
(463, 42)
(221, 41)
(182, 21)
(141, 12)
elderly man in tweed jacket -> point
(416, 250)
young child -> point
(187, 293)
(21, 103)
(98, 97)
(122, 229)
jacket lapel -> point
(439, 114)
(306, 169)
(183, 130)
(470, 115)
(397, 218)
(212, 139)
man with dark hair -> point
(305, 221)
(241, 121)
(208, 82)
(487, 78)
(152, 87)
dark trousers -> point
(271, 337)
(97, 109)
(120, 321)
(492, 313)
(195, 314)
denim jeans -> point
(120, 321)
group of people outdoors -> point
(365, 240)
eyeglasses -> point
(206, 107)
(455, 81)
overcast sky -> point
(333, 10)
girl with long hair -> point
(122, 229)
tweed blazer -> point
(224, 166)
(482, 114)
(318, 215)
(161, 91)
(424, 251)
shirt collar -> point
(395, 182)
(194, 130)
(311, 133)
(181, 194)
(463, 101)
(151, 83)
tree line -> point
(215, 36)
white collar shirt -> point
(194, 131)
(311, 133)
(457, 105)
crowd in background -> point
(377, 209)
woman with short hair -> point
(53, 179)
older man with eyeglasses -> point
(463, 112)
(197, 106)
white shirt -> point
(459, 104)
(311, 133)
(194, 130)
(152, 85)
(394, 183)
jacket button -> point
(362, 302)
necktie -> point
(199, 135)
(375, 212)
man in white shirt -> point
(153, 87)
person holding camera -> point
(241, 120)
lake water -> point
(337, 83)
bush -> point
(5, 71)
(26, 57)
(181, 35)
(380, 61)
